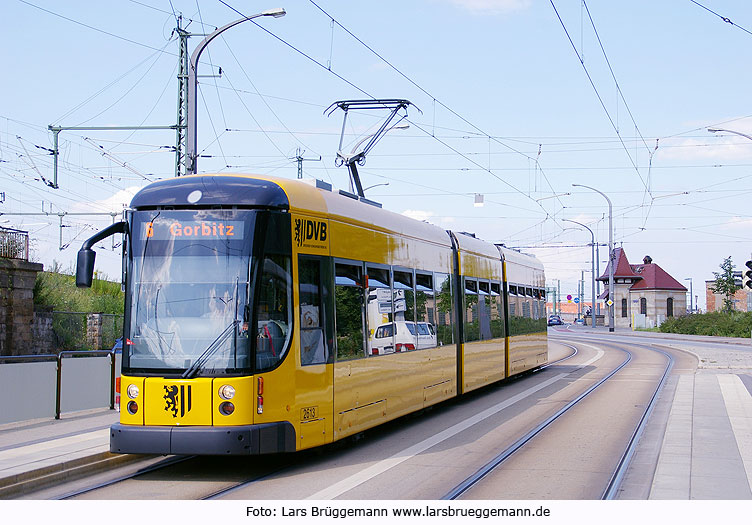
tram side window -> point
(274, 311)
(497, 311)
(526, 309)
(406, 338)
(541, 304)
(348, 298)
(425, 310)
(471, 318)
(512, 298)
(484, 310)
(380, 311)
(525, 295)
(442, 285)
(313, 348)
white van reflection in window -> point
(409, 336)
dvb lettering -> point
(315, 230)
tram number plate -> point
(307, 413)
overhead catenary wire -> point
(724, 18)
(435, 100)
(598, 95)
(352, 84)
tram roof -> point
(469, 243)
(212, 190)
(300, 196)
(519, 258)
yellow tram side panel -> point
(309, 406)
(526, 351)
(483, 362)
(301, 395)
(353, 395)
(371, 390)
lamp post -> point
(716, 130)
(191, 132)
(376, 185)
(691, 308)
(592, 269)
(611, 261)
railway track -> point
(292, 476)
(610, 491)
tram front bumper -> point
(247, 440)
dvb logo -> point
(307, 230)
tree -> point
(725, 284)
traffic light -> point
(747, 276)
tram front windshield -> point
(188, 292)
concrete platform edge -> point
(26, 482)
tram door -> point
(315, 375)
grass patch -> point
(56, 290)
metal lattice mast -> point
(181, 163)
(299, 159)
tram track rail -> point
(161, 465)
(611, 490)
(613, 486)
(171, 462)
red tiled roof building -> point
(644, 294)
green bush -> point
(723, 324)
(57, 291)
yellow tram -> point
(270, 315)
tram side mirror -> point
(86, 256)
(85, 267)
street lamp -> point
(691, 308)
(611, 261)
(191, 132)
(716, 130)
(592, 269)
(376, 185)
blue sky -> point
(514, 100)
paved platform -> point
(698, 442)
(697, 445)
(38, 453)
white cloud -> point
(730, 143)
(430, 217)
(419, 215)
(726, 148)
(114, 203)
(739, 223)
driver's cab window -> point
(274, 311)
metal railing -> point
(14, 244)
(59, 359)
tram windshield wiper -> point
(199, 363)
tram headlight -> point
(133, 391)
(226, 392)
